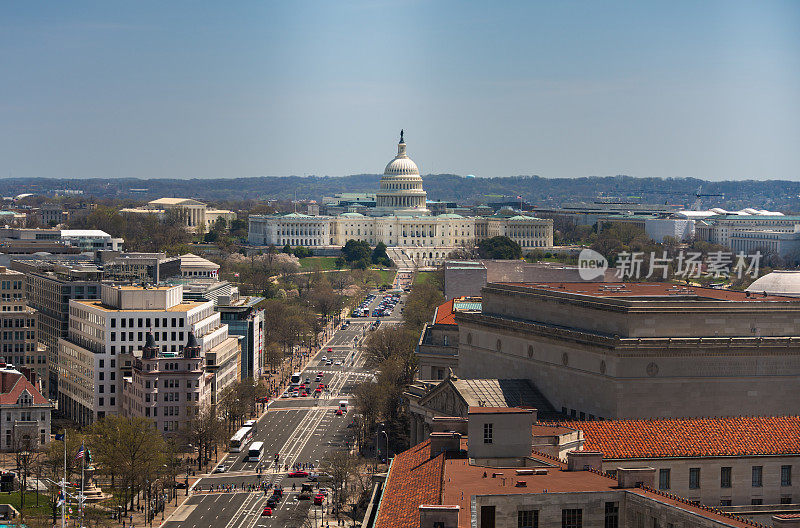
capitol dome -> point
(781, 282)
(401, 186)
(401, 165)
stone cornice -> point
(635, 345)
(686, 304)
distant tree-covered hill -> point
(771, 194)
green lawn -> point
(387, 276)
(423, 276)
(323, 263)
(30, 502)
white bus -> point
(241, 439)
(255, 452)
(252, 424)
(297, 377)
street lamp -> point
(187, 483)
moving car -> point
(222, 468)
(338, 412)
(319, 498)
(266, 511)
(272, 502)
(298, 474)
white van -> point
(343, 405)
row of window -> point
(725, 478)
(570, 517)
(139, 336)
(145, 322)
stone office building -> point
(638, 350)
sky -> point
(177, 89)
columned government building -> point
(400, 220)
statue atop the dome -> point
(401, 136)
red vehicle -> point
(319, 499)
(317, 390)
(302, 386)
(298, 474)
(320, 386)
(266, 511)
(329, 349)
(304, 393)
(338, 412)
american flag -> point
(80, 453)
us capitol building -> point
(402, 221)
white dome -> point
(781, 282)
(401, 167)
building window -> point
(786, 500)
(725, 477)
(612, 515)
(572, 518)
(528, 519)
(487, 516)
(786, 475)
(758, 472)
(487, 433)
(725, 502)
(694, 478)
(757, 502)
(663, 479)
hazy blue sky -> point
(558, 88)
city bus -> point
(241, 439)
(252, 424)
(297, 377)
(255, 452)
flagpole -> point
(64, 486)
(80, 499)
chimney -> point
(583, 460)
(438, 516)
(445, 442)
(637, 476)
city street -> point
(300, 430)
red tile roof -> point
(415, 478)
(648, 289)
(692, 437)
(444, 314)
(11, 386)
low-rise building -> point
(19, 328)
(24, 412)
(734, 461)
(49, 287)
(167, 387)
(637, 350)
(437, 349)
(107, 335)
(490, 478)
(195, 215)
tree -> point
(357, 253)
(302, 252)
(499, 247)
(421, 302)
(287, 249)
(379, 255)
(202, 431)
(25, 446)
(130, 447)
(340, 465)
(273, 355)
(393, 342)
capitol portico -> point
(400, 220)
